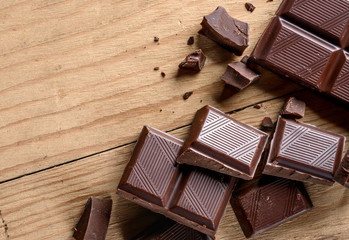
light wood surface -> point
(76, 86)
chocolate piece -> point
(239, 76)
(244, 59)
(156, 39)
(187, 95)
(228, 32)
(194, 197)
(303, 152)
(293, 108)
(257, 106)
(269, 0)
(166, 229)
(267, 124)
(93, 224)
(342, 174)
(156, 68)
(220, 143)
(249, 7)
(268, 202)
(190, 40)
(163, 74)
(194, 61)
(307, 42)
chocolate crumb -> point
(267, 124)
(156, 68)
(187, 95)
(269, 0)
(257, 106)
(160, 110)
(163, 74)
(156, 39)
(190, 40)
(249, 7)
(201, 100)
(244, 59)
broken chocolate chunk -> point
(293, 108)
(163, 74)
(190, 40)
(342, 174)
(244, 59)
(257, 106)
(194, 61)
(267, 124)
(187, 95)
(156, 39)
(249, 7)
(228, 32)
(93, 224)
(156, 68)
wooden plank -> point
(47, 205)
(77, 76)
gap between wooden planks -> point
(77, 75)
(48, 204)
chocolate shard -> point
(223, 144)
(303, 152)
(238, 76)
(187, 95)
(301, 45)
(93, 224)
(249, 7)
(190, 40)
(156, 39)
(194, 61)
(228, 32)
(267, 202)
(166, 229)
(244, 59)
(293, 108)
(267, 124)
(193, 197)
(342, 174)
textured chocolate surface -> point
(166, 229)
(293, 108)
(268, 202)
(303, 152)
(342, 174)
(220, 143)
(307, 41)
(194, 197)
(93, 224)
(194, 61)
(228, 32)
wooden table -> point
(77, 85)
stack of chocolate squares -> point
(191, 182)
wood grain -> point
(77, 75)
(48, 204)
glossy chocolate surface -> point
(307, 42)
(93, 224)
(342, 174)
(268, 202)
(304, 152)
(228, 32)
(223, 144)
(194, 197)
(293, 108)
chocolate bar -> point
(194, 197)
(223, 144)
(342, 174)
(166, 229)
(194, 61)
(268, 202)
(303, 152)
(293, 108)
(228, 32)
(93, 224)
(307, 42)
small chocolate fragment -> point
(342, 174)
(220, 143)
(293, 108)
(269, 0)
(163, 74)
(156, 39)
(303, 152)
(166, 229)
(238, 76)
(156, 68)
(244, 59)
(190, 40)
(257, 106)
(194, 61)
(93, 224)
(267, 124)
(187, 95)
(228, 32)
(265, 203)
(191, 196)
(249, 7)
